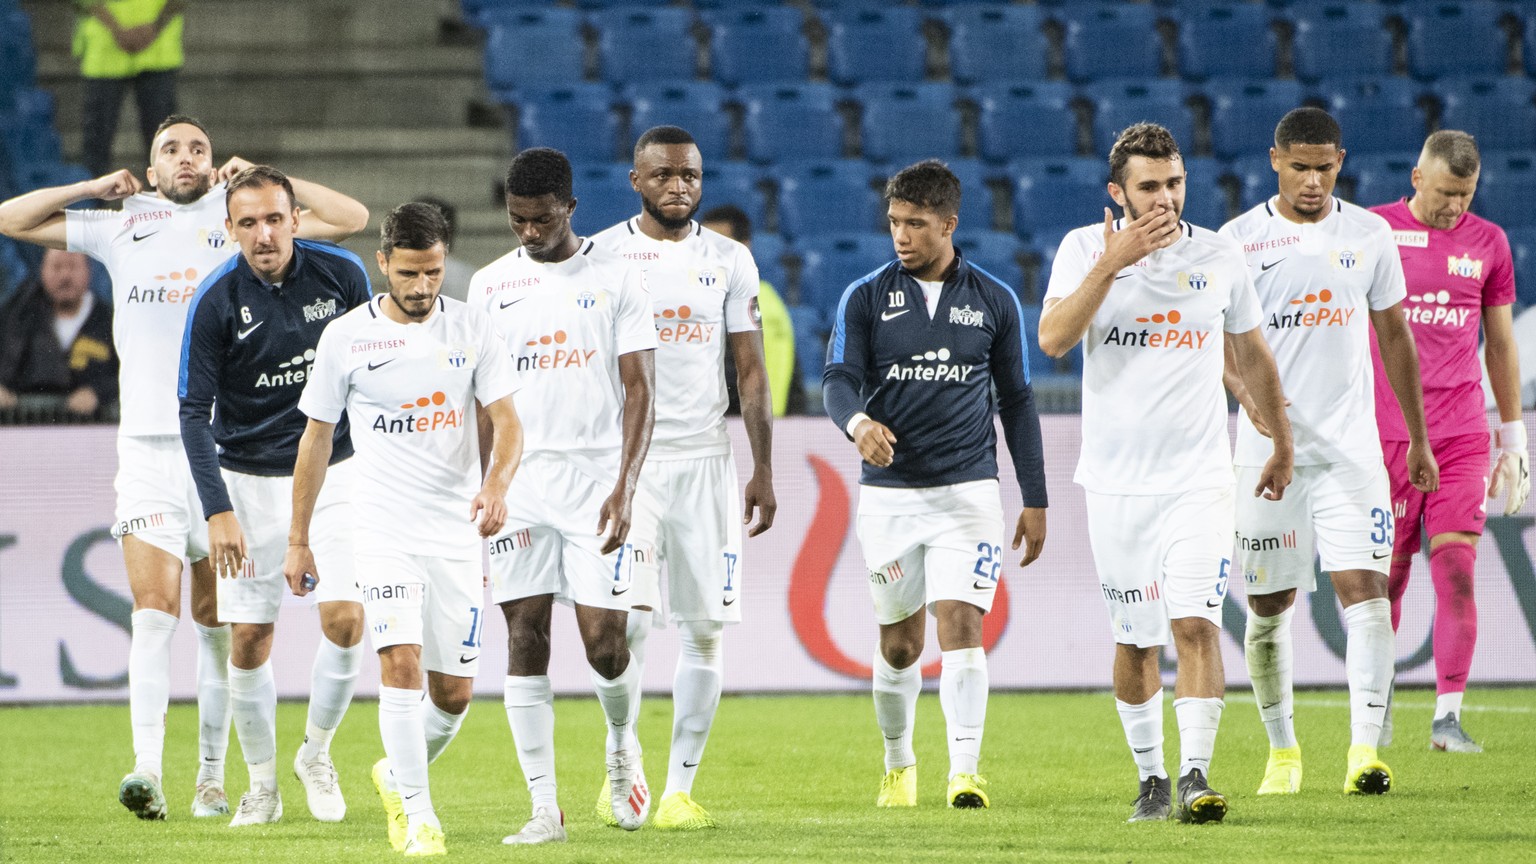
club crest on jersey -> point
(1465, 266)
(965, 316)
(213, 239)
(456, 358)
(1344, 259)
(706, 278)
(1192, 281)
(319, 310)
(586, 299)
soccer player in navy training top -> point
(917, 347)
(249, 345)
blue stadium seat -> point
(1118, 104)
(1341, 38)
(1256, 179)
(1379, 179)
(1455, 37)
(976, 215)
(18, 63)
(698, 106)
(810, 345)
(646, 44)
(996, 252)
(830, 263)
(1378, 115)
(1112, 41)
(791, 122)
(1501, 112)
(906, 122)
(754, 45)
(996, 43)
(532, 48)
(1026, 117)
(1529, 43)
(613, 4)
(1227, 40)
(1244, 114)
(1506, 187)
(1054, 195)
(604, 197)
(736, 183)
(480, 12)
(1205, 200)
(769, 251)
(1043, 366)
(835, 196)
(577, 119)
(869, 43)
(1522, 244)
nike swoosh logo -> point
(617, 592)
(1270, 705)
(538, 778)
(886, 316)
(373, 366)
(965, 739)
(1377, 556)
(893, 737)
(687, 764)
(1143, 749)
(409, 797)
(138, 237)
(248, 331)
(1264, 267)
(727, 601)
(1124, 276)
(470, 659)
(1374, 705)
(1213, 604)
(511, 302)
(983, 585)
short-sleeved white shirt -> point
(702, 287)
(1317, 283)
(565, 325)
(1154, 409)
(157, 253)
(409, 391)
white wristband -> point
(1512, 436)
(854, 421)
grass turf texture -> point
(794, 778)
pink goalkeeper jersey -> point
(1451, 276)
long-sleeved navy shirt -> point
(248, 348)
(930, 379)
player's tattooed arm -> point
(637, 371)
(1401, 360)
(757, 414)
(308, 477)
(38, 217)
(1256, 365)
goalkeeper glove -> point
(1513, 469)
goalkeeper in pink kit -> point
(1460, 279)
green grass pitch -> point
(794, 779)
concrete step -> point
(290, 63)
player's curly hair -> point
(1140, 139)
(1307, 125)
(257, 176)
(1457, 148)
(540, 171)
(416, 225)
(929, 184)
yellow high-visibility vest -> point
(98, 52)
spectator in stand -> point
(778, 330)
(56, 339)
(122, 44)
(456, 271)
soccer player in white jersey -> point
(577, 321)
(157, 249)
(411, 370)
(1326, 273)
(1150, 297)
(704, 301)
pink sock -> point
(1451, 566)
(1397, 585)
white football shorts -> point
(926, 545)
(1161, 557)
(687, 515)
(157, 498)
(1342, 510)
(264, 506)
(550, 543)
(437, 603)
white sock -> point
(530, 705)
(1144, 733)
(405, 743)
(963, 695)
(440, 727)
(896, 709)
(253, 702)
(1368, 658)
(1198, 719)
(212, 701)
(1267, 650)
(331, 682)
(616, 695)
(149, 686)
(1448, 703)
(636, 631)
(695, 698)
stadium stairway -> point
(362, 97)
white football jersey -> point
(702, 287)
(409, 391)
(1154, 409)
(565, 325)
(157, 253)
(1317, 284)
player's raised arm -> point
(506, 451)
(1256, 365)
(38, 217)
(637, 371)
(327, 214)
(757, 415)
(308, 477)
(1401, 360)
(1063, 321)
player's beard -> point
(190, 193)
(667, 222)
